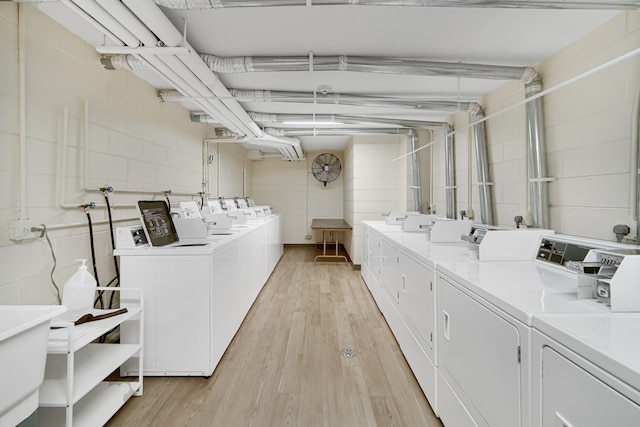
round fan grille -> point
(326, 168)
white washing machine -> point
(484, 324)
(586, 370)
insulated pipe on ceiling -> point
(415, 168)
(482, 166)
(337, 131)
(265, 118)
(538, 180)
(635, 165)
(348, 99)
(450, 173)
(363, 64)
(289, 147)
(524, 4)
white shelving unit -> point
(75, 391)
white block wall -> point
(135, 143)
(588, 131)
(291, 190)
(374, 183)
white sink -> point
(24, 333)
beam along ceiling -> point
(493, 36)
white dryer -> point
(484, 324)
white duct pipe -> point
(88, 18)
(338, 132)
(363, 64)
(524, 4)
(482, 166)
(415, 166)
(267, 118)
(93, 9)
(384, 65)
(341, 99)
(537, 156)
(152, 17)
(450, 175)
(122, 14)
(634, 172)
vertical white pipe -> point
(62, 191)
(218, 172)
(537, 155)
(431, 175)
(634, 172)
(22, 89)
(86, 145)
(634, 168)
(469, 167)
(482, 164)
(415, 165)
(450, 176)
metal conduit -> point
(338, 131)
(524, 4)
(635, 142)
(266, 118)
(450, 173)
(363, 64)
(415, 167)
(482, 166)
(383, 65)
(536, 144)
(241, 95)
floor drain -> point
(348, 352)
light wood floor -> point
(285, 366)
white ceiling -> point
(513, 37)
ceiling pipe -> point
(415, 167)
(138, 23)
(482, 166)
(337, 131)
(289, 147)
(325, 98)
(363, 64)
(536, 144)
(524, 4)
(268, 118)
(450, 173)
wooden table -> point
(331, 226)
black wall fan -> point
(326, 168)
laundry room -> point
(180, 161)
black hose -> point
(113, 240)
(93, 253)
(113, 246)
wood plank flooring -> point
(285, 366)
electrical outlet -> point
(20, 229)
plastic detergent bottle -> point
(79, 291)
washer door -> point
(478, 356)
(572, 397)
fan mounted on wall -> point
(326, 167)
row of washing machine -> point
(495, 332)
